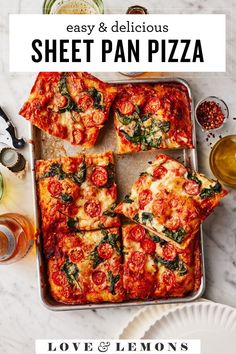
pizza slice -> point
(139, 266)
(72, 106)
(152, 117)
(170, 200)
(155, 268)
(178, 270)
(86, 267)
(77, 193)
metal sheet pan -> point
(44, 147)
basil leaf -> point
(155, 238)
(217, 187)
(110, 212)
(113, 279)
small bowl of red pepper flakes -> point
(211, 113)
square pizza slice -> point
(152, 117)
(170, 200)
(77, 193)
(72, 106)
(155, 268)
(86, 267)
(139, 266)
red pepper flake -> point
(210, 115)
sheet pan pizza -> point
(90, 256)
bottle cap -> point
(137, 10)
(12, 159)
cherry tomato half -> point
(148, 245)
(84, 101)
(105, 251)
(159, 172)
(144, 198)
(169, 251)
(92, 208)
(99, 176)
(55, 188)
(191, 187)
(137, 233)
(99, 277)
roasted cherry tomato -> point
(125, 107)
(73, 210)
(148, 245)
(105, 251)
(169, 279)
(84, 101)
(152, 106)
(99, 176)
(55, 188)
(191, 187)
(98, 117)
(99, 277)
(138, 259)
(59, 278)
(76, 255)
(78, 136)
(92, 208)
(159, 172)
(169, 251)
(144, 198)
(173, 223)
(61, 100)
(137, 233)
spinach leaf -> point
(211, 191)
(136, 137)
(72, 222)
(71, 105)
(72, 272)
(113, 279)
(127, 199)
(164, 126)
(177, 236)
(110, 212)
(95, 258)
(147, 217)
(111, 239)
(80, 176)
(192, 176)
(174, 265)
(111, 176)
(66, 198)
(97, 98)
(54, 170)
(155, 238)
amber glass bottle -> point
(16, 237)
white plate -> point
(214, 324)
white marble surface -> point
(23, 318)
